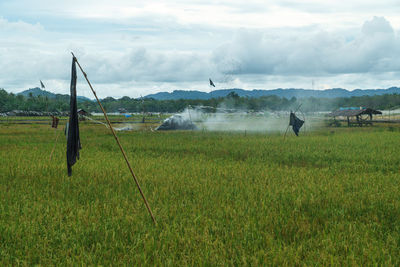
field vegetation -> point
(329, 197)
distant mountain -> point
(287, 93)
(39, 92)
(36, 92)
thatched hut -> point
(355, 116)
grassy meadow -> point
(330, 197)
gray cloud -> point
(374, 48)
(142, 65)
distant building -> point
(355, 116)
(122, 110)
(83, 112)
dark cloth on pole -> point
(211, 83)
(42, 85)
(296, 123)
(73, 141)
(54, 123)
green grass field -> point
(330, 197)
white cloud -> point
(136, 47)
(19, 27)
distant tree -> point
(9, 101)
(232, 95)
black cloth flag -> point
(296, 123)
(211, 83)
(73, 141)
(42, 85)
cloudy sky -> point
(135, 48)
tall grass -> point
(327, 198)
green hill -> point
(39, 92)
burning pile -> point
(177, 122)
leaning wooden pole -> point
(304, 118)
(287, 128)
(116, 139)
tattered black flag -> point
(211, 83)
(296, 123)
(42, 85)
(73, 141)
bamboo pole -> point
(287, 128)
(298, 108)
(304, 118)
(119, 144)
(190, 117)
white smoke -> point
(244, 120)
(128, 127)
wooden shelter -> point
(83, 112)
(122, 110)
(355, 116)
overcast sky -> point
(136, 48)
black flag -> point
(296, 123)
(73, 142)
(211, 83)
(42, 85)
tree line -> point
(60, 103)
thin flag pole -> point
(116, 139)
(143, 116)
(298, 108)
(190, 117)
(287, 128)
(304, 118)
